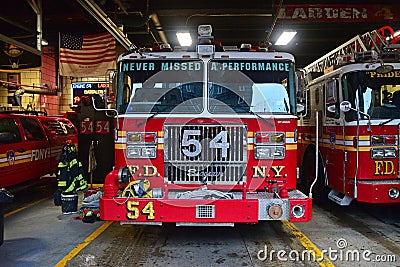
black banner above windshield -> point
(161, 66)
(250, 66)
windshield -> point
(160, 86)
(244, 86)
(378, 95)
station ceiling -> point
(320, 26)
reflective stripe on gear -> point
(138, 188)
(70, 173)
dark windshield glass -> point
(160, 86)
(378, 95)
(243, 86)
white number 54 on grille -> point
(191, 145)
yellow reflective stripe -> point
(28, 152)
(4, 164)
(16, 162)
(361, 138)
(289, 134)
(121, 133)
(361, 148)
(291, 147)
(120, 146)
(22, 161)
(70, 188)
(73, 162)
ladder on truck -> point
(368, 46)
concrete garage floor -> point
(41, 235)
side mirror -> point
(345, 106)
(299, 108)
(332, 108)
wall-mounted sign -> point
(87, 89)
(16, 55)
(338, 13)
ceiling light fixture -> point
(184, 38)
(285, 37)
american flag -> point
(87, 55)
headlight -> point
(269, 138)
(149, 152)
(379, 153)
(390, 152)
(141, 138)
(134, 138)
(269, 152)
(298, 211)
(379, 140)
(135, 152)
(394, 193)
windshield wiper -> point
(262, 118)
(147, 119)
(286, 105)
(384, 122)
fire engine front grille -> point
(205, 153)
(198, 173)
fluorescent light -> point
(184, 38)
(285, 37)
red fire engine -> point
(205, 136)
(353, 114)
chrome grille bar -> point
(205, 174)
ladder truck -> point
(204, 136)
(349, 130)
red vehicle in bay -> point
(350, 127)
(30, 144)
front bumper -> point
(253, 208)
(377, 191)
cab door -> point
(14, 154)
(333, 136)
(37, 144)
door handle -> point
(21, 150)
